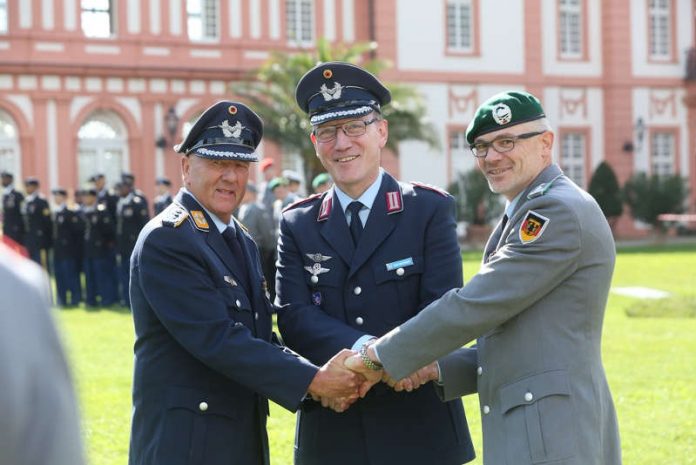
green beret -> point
(503, 111)
(320, 179)
(275, 182)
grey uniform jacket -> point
(537, 308)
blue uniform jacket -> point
(332, 295)
(204, 361)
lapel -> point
(380, 223)
(212, 236)
(335, 229)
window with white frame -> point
(102, 147)
(3, 16)
(9, 146)
(659, 18)
(97, 18)
(662, 153)
(573, 156)
(460, 25)
(570, 28)
(202, 19)
(299, 17)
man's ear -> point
(313, 138)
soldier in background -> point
(104, 195)
(321, 183)
(129, 178)
(37, 223)
(12, 222)
(68, 229)
(294, 183)
(131, 216)
(99, 262)
(164, 197)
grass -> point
(649, 361)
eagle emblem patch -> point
(533, 226)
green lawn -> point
(649, 361)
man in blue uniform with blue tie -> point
(353, 263)
(206, 362)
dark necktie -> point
(233, 243)
(356, 226)
(504, 222)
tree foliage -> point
(604, 187)
(476, 203)
(650, 196)
(270, 91)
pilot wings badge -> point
(316, 269)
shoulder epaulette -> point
(174, 215)
(430, 187)
(297, 203)
(542, 188)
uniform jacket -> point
(537, 307)
(37, 223)
(12, 222)
(333, 294)
(204, 362)
(131, 216)
(100, 232)
(259, 224)
(68, 230)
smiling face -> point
(353, 162)
(219, 185)
(511, 172)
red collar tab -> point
(395, 202)
(325, 209)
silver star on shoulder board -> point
(317, 257)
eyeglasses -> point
(501, 145)
(351, 129)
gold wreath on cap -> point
(232, 110)
(328, 73)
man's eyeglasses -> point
(351, 129)
(501, 145)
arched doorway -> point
(10, 159)
(102, 147)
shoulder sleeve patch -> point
(302, 202)
(430, 187)
(174, 215)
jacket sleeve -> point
(197, 317)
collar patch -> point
(325, 209)
(199, 220)
(395, 202)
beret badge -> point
(501, 114)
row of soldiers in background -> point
(95, 236)
(262, 206)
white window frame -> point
(4, 19)
(203, 22)
(572, 156)
(300, 22)
(103, 148)
(662, 153)
(570, 30)
(91, 17)
(460, 30)
(660, 33)
(10, 157)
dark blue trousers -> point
(67, 281)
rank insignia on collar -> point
(199, 219)
(533, 226)
(394, 202)
(325, 209)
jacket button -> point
(529, 397)
(357, 290)
(237, 303)
(486, 410)
(359, 320)
(400, 271)
(256, 315)
(314, 279)
(203, 406)
(479, 371)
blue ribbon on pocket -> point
(404, 262)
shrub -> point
(651, 196)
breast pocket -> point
(238, 304)
(399, 281)
(541, 407)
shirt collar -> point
(510, 207)
(219, 224)
(367, 198)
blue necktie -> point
(233, 243)
(356, 226)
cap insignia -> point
(232, 110)
(331, 94)
(230, 131)
(502, 114)
(327, 73)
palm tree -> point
(270, 91)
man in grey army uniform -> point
(536, 306)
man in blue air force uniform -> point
(205, 363)
(536, 306)
(356, 261)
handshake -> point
(345, 378)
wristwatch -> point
(367, 361)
